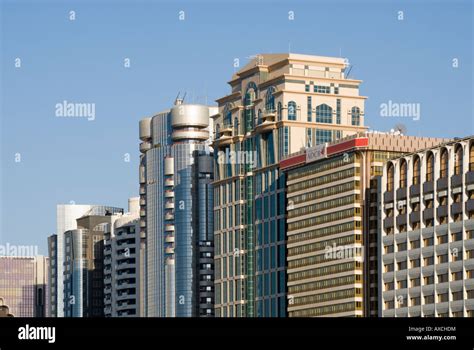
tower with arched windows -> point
(279, 104)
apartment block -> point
(332, 223)
(124, 264)
(24, 285)
(426, 242)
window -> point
(322, 89)
(403, 173)
(355, 115)
(324, 114)
(471, 157)
(338, 111)
(416, 170)
(443, 171)
(270, 100)
(390, 176)
(236, 126)
(323, 136)
(309, 108)
(429, 167)
(292, 110)
(458, 160)
(279, 112)
(227, 116)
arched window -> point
(280, 111)
(251, 93)
(416, 170)
(227, 116)
(324, 114)
(443, 171)
(292, 110)
(458, 160)
(236, 126)
(429, 166)
(390, 176)
(355, 113)
(270, 100)
(471, 157)
(403, 173)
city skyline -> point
(79, 67)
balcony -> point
(169, 250)
(269, 115)
(388, 196)
(414, 217)
(414, 190)
(169, 194)
(401, 219)
(223, 141)
(265, 127)
(169, 228)
(401, 193)
(169, 239)
(470, 205)
(388, 222)
(428, 214)
(442, 211)
(169, 205)
(456, 208)
(456, 180)
(470, 177)
(169, 216)
(428, 187)
(145, 146)
(442, 184)
(169, 182)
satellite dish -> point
(400, 129)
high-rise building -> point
(83, 263)
(124, 255)
(24, 285)
(176, 202)
(279, 104)
(66, 215)
(426, 242)
(332, 223)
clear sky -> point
(73, 159)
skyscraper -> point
(176, 202)
(66, 215)
(279, 104)
(24, 285)
(124, 255)
(426, 241)
(83, 266)
(332, 223)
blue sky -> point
(72, 159)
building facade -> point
(332, 223)
(176, 202)
(66, 215)
(426, 242)
(279, 104)
(124, 266)
(24, 285)
(83, 266)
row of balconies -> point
(428, 186)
